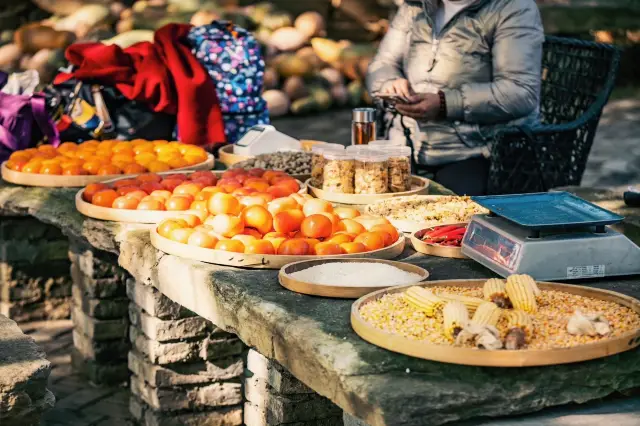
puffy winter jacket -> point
(486, 60)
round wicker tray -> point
(501, 358)
(419, 186)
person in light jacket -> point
(468, 68)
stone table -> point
(313, 339)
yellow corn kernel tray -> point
(449, 353)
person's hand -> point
(399, 87)
(425, 106)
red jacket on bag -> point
(163, 74)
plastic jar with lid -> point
(317, 161)
(372, 175)
(399, 168)
(339, 170)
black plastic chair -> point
(577, 80)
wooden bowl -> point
(420, 185)
(258, 261)
(436, 249)
(500, 358)
(59, 181)
(228, 158)
(334, 290)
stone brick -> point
(275, 375)
(185, 374)
(98, 373)
(256, 416)
(164, 353)
(105, 352)
(167, 330)
(33, 252)
(98, 288)
(214, 347)
(50, 309)
(227, 416)
(27, 228)
(187, 397)
(95, 263)
(277, 408)
(100, 308)
(155, 303)
(99, 329)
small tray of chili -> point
(441, 240)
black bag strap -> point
(409, 142)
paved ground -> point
(614, 159)
(78, 403)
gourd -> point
(9, 55)
(271, 78)
(327, 50)
(86, 17)
(332, 76)
(277, 102)
(295, 88)
(310, 24)
(308, 54)
(276, 20)
(129, 38)
(289, 65)
(287, 39)
(33, 37)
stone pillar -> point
(24, 373)
(34, 270)
(186, 371)
(100, 315)
(275, 397)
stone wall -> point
(35, 283)
(100, 315)
(274, 397)
(185, 369)
(24, 372)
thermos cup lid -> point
(364, 115)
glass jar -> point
(339, 170)
(363, 126)
(371, 176)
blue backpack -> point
(232, 57)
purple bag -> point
(23, 122)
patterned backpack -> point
(234, 61)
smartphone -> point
(392, 99)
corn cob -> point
(487, 314)
(520, 289)
(471, 303)
(424, 300)
(519, 329)
(494, 292)
(456, 317)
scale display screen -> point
(494, 246)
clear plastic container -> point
(317, 161)
(339, 171)
(399, 168)
(386, 143)
(371, 175)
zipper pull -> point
(434, 51)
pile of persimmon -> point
(106, 158)
(292, 225)
(180, 192)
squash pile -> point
(306, 72)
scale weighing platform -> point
(265, 139)
(550, 236)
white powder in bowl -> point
(356, 274)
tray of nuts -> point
(441, 241)
(516, 322)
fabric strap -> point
(43, 121)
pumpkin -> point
(287, 39)
(277, 102)
(276, 20)
(327, 50)
(295, 88)
(290, 65)
(332, 76)
(271, 78)
(9, 55)
(129, 38)
(309, 55)
(311, 24)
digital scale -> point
(550, 236)
(265, 139)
